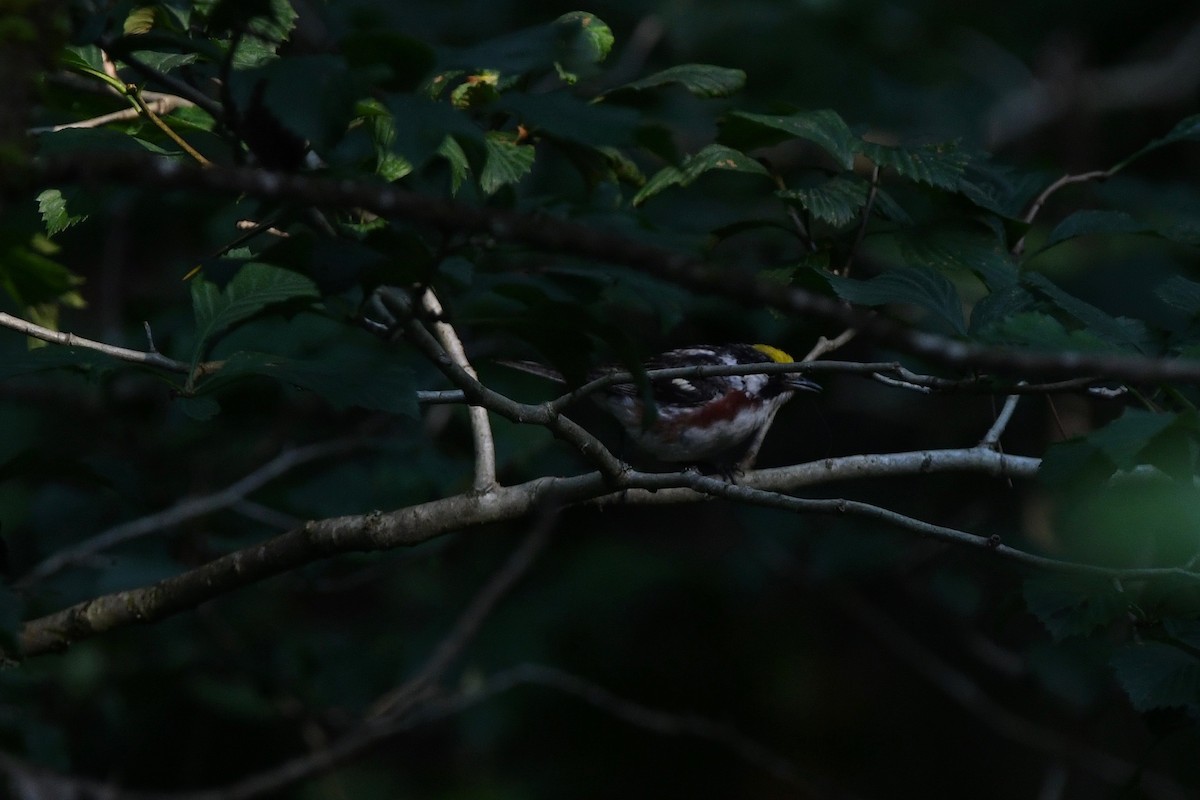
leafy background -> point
(866, 658)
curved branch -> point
(554, 235)
(481, 428)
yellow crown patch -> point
(774, 353)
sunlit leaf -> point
(712, 157)
(508, 160)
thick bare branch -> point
(415, 524)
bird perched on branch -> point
(715, 420)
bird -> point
(717, 421)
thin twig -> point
(964, 691)
(150, 358)
(186, 509)
(1066, 180)
(992, 437)
(872, 193)
(135, 96)
(403, 698)
(825, 345)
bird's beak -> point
(800, 383)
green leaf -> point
(997, 307)
(583, 40)
(140, 20)
(1086, 223)
(267, 25)
(363, 378)
(311, 96)
(702, 80)
(460, 167)
(821, 127)
(1185, 631)
(952, 249)
(923, 288)
(507, 161)
(714, 156)
(1041, 331)
(1179, 292)
(201, 409)
(90, 362)
(1187, 130)
(837, 201)
(565, 116)
(939, 165)
(1120, 331)
(254, 288)
(1158, 675)
(53, 208)
(1074, 606)
(30, 277)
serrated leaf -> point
(1158, 675)
(712, 157)
(955, 249)
(1088, 222)
(702, 80)
(460, 167)
(923, 288)
(53, 208)
(837, 201)
(1120, 331)
(1187, 129)
(1179, 292)
(822, 127)
(939, 165)
(1074, 606)
(998, 306)
(507, 161)
(368, 379)
(252, 289)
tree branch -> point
(554, 235)
(415, 524)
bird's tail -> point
(534, 368)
